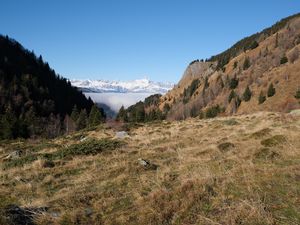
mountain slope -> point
(135, 86)
(32, 95)
(268, 58)
(230, 170)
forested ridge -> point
(34, 99)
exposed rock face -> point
(197, 70)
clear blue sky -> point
(129, 39)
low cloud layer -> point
(116, 100)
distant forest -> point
(34, 100)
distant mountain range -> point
(134, 86)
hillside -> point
(230, 170)
(258, 73)
(34, 100)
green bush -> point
(297, 95)
(201, 115)
(213, 111)
(20, 161)
(89, 147)
(235, 64)
(283, 60)
(265, 154)
(226, 146)
(273, 141)
(230, 122)
(254, 45)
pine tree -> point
(206, 84)
(237, 101)
(233, 83)
(122, 115)
(8, 124)
(81, 122)
(246, 64)
(31, 119)
(194, 112)
(75, 114)
(53, 127)
(231, 96)
(140, 114)
(69, 125)
(95, 117)
(166, 108)
(261, 98)
(271, 90)
(247, 94)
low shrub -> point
(261, 133)
(213, 111)
(273, 141)
(226, 146)
(265, 154)
(89, 147)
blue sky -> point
(125, 40)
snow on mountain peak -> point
(135, 86)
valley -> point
(220, 147)
(116, 94)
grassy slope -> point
(265, 68)
(233, 170)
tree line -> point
(34, 99)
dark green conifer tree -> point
(247, 94)
(271, 90)
(231, 95)
(81, 122)
(75, 114)
(95, 117)
(122, 115)
(246, 64)
(261, 98)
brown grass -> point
(209, 172)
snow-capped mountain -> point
(135, 86)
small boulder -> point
(121, 135)
(82, 139)
(13, 155)
(147, 165)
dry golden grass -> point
(265, 69)
(218, 171)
